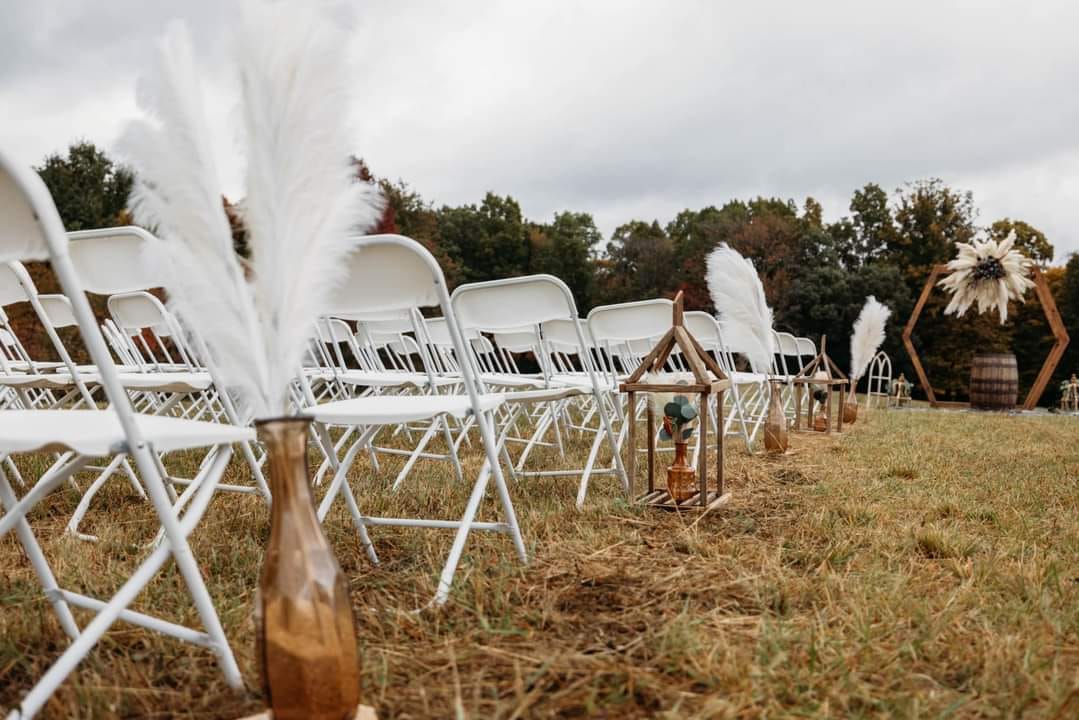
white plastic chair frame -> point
(393, 273)
(540, 300)
(32, 229)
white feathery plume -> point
(177, 193)
(738, 297)
(303, 202)
(988, 273)
(867, 337)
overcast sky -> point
(627, 110)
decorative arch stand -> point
(1041, 288)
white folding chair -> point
(390, 273)
(30, 228)
(542, 301)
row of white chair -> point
(377, 367)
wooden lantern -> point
(1069, 395)
(709, 381)
(805, 380)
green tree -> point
(1029, 239)
(930, 219)
(870, 229)
(638, 264)
(415, 218)
(566, 248)
(487, 242)
(89, 189)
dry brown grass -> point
(926, 565)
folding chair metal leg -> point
(452, 450)
(256, 470)
(358, 521)
(615, 446)
(582, 489)
(490, 465)
(14, 471)
(88, 497)
(341, 471)
(48, 482)
(39, 563)
(424, 440)
(116, 608)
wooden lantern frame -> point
(701, 365)
(1052, 315)
(836, 378)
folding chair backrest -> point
(517, 341)
(640, 320)
(560, 335)
(510, 303)
(388, 275)
(58, 310)
(111, 260)
(786, 344)
(787, 348)
(627, 331)
(11, 290)
(385, 274)
(707, 331)
(704, 328)
(806, 347)
(31, 229)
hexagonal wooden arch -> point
(1041, 287)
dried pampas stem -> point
(867, 337)
(738, 297)
(303, 202)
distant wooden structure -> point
(1049, 306)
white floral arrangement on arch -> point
(988, 273)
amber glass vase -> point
(681, 478)
(850, 409)
(305, 629)
(775, 426)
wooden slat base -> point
(662, 499)
(363, 712)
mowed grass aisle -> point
(925, 565)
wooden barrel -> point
(994, 381)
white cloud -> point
(632, 109)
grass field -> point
(924, 565)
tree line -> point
(816, 274)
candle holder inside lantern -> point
(709, 381)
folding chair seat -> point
(392, 274)
(30, 228)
